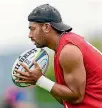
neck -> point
(54, 41)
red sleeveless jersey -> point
(93, 65)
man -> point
(77, 64)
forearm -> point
(57, 98)
(64, 93)
(60, 92)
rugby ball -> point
(38, 55)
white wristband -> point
(45, 83)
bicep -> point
(73, 69)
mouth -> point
(32, 40)
(35, 43)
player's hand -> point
(29, 76)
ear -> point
(46, 27)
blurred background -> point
(84, 16)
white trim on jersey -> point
(94, 48)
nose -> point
(30, 34)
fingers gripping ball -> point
(27, 57)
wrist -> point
(45, 83)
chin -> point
(40, 46)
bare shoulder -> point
(71, 61)
(70, 56)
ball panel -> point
(27, 57)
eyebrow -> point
(30, 27)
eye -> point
(31, 28)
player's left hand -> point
(29, 76)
